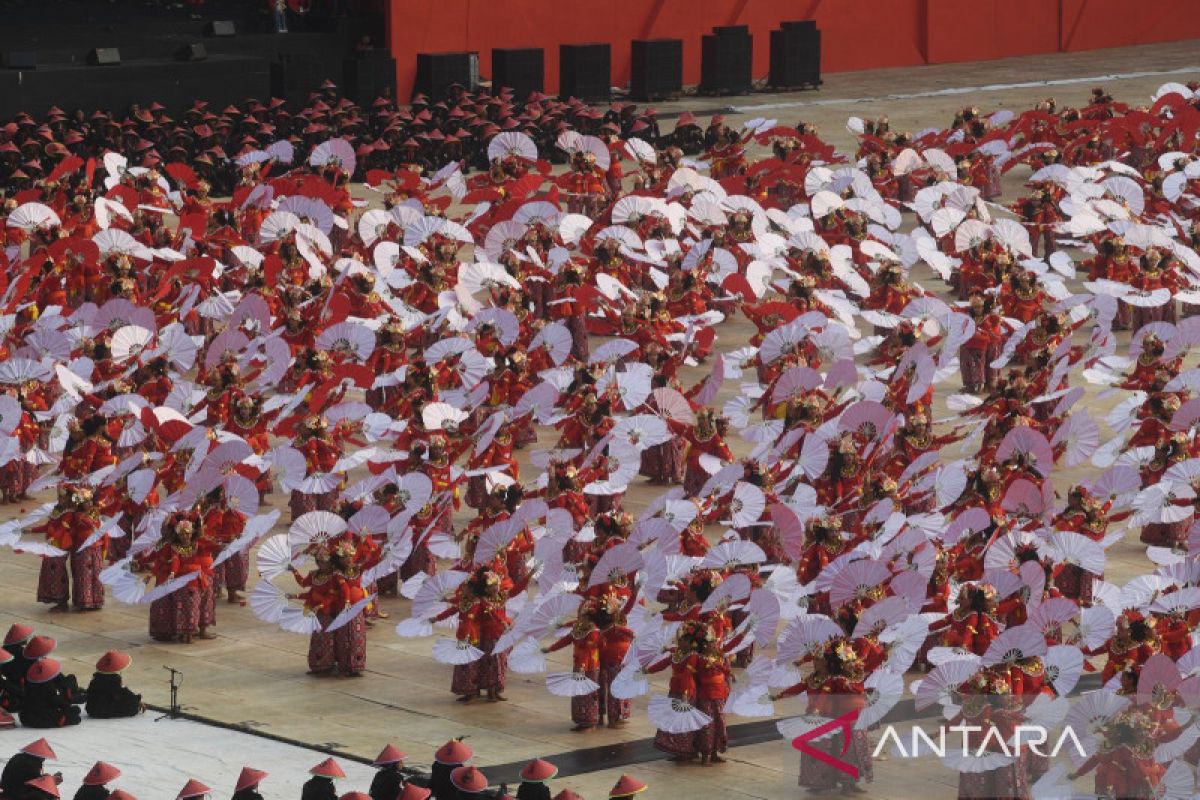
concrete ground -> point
(254, 675)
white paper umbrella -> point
(274, 556)
(570, 684)
(884, 691)
(527, 658)
(348, 614)
(675, 715)
(456, 652)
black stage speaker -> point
(295, 76)
(105, 57)
(192, 52)
(437, 71)
(795, 57)
(370, 76)
(20, 59)
(809, 25)
(220, 27)
(657, 68)
(585, 71)
(725, 64)
(522, 69)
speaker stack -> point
(522, 69)
(371, 75)
(437, 72)
(726, 57)
(294, 76)
(585, 71)
(796, 56)
(657, 69)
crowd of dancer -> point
(379, 354)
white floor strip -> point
(992, 87)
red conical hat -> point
(538, 770)
(113, 662)
(45, 783)
(44, 670)
(355, 796)
(100, 774)
(627, 786)
(120, 794)
(40, 647)
(6, 720)
(39, 749)
(193, 788)
(5, 656)
(18, 634)
(469, 779)
(389, 755)
(453, 752)
(414, 792)
(565, 794)
(249, 777)
(329, 768)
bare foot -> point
(61, 608)
(583, 728)
(617, 723)
(321, 673)
(717, 759)
(354, 674)
(466, 698)
(206, 635)
(383, 614)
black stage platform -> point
(149, 36)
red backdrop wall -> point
(856, 34)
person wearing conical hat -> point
(533, 780)
(43, 788)
(24, 766)
(192, 790)
(626, 788)
(449, 757)
(469, 781)
(11, 690)
(107, 697)
(247, 784)
(389, 780)
(47, 703)
(14, 642)
(94, 787)
(320, 785)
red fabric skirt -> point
(489, 673)
(420, 560)
(237, 570)
(585, 708)
(663, 463)
(82, 585)
(177, 614)
(1008, 783)
(713, 738)
(819, 775)
(302, 503)
(616, 709)
(345, 649)
(1165, 534)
